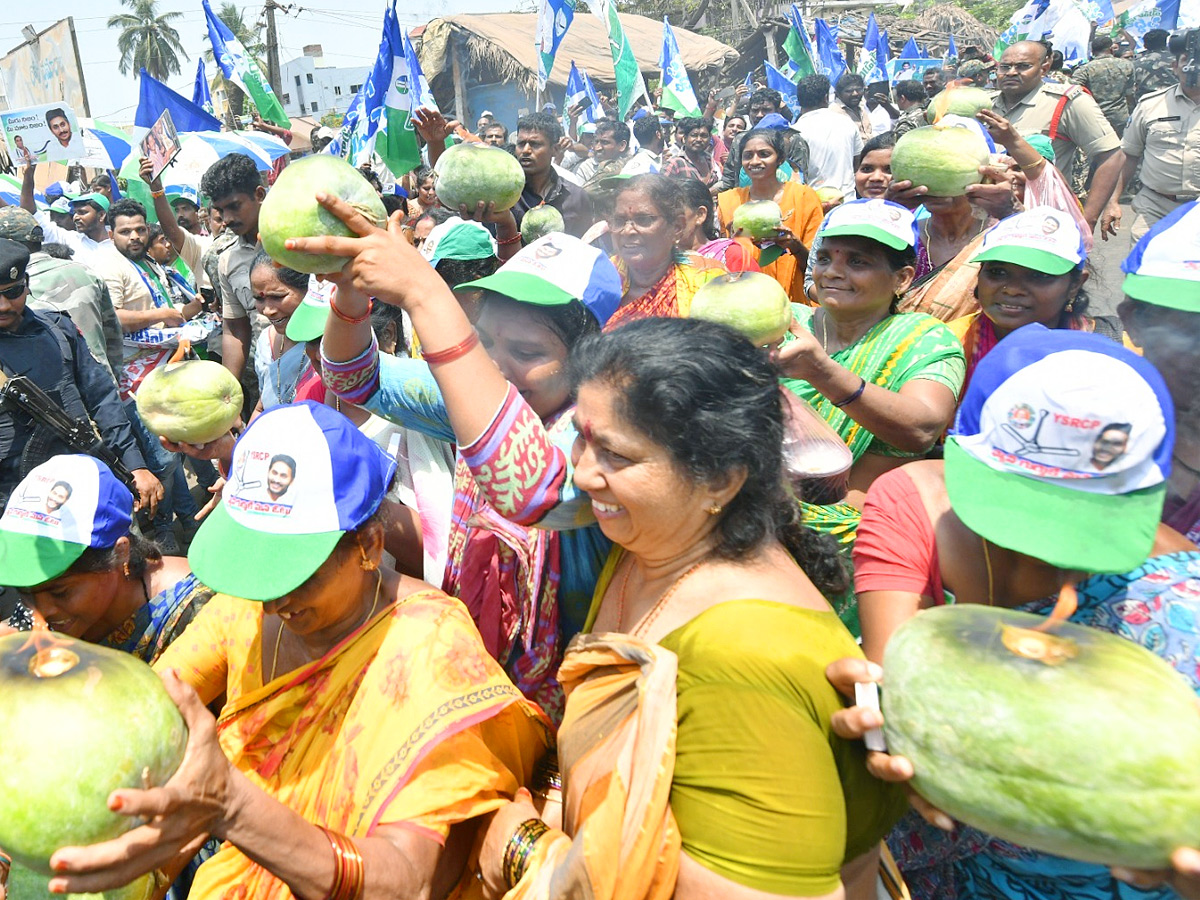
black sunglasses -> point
(13, 291)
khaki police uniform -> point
(1164, 131)
(1082, 125)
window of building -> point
(297, 81)
(308, 77)
(287, 98)
(314, 106)
(354, 88)
(337, 90)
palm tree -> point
(147, 39)
(255, 48)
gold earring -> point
(366, 564)
(126, 568)
(715, 509)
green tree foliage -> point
(148, 39)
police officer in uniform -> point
(1164, 137)
(1065, 113)
(48, 348)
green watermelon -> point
(79, 721)
(945, 160)
(195, 401)
(26, 885)
(758, 219)
(1074, 742)
(749, 302)
(291, 210)
(958, 101)
(541, 221)
(468, 174)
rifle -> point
(20, 393)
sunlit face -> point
(131, 236)
(426, 194)
(697, 142)
(88, 217)
(494, 135)
(239, 212)
(279, 478)
(534, 152)
(874, 174)
(161, 251)
(759, 159)
(932, 79)
(1021, 68)
(734, 126)
(422, 230)
(850, 94)
(274, 299)
(1012, 296)
(642, 500)
(606, 146)
(187, 215)
(761, 109)
(642, 235)
(854, 275)
(530, 355)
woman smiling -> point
(649, 225)
(527, 589)
(762, 153)
(1031, 269)
(323, 768)
(887, 383)
(712, 633)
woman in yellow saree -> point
(364, 718)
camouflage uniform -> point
(71, 288)
(1110, 81)
(211, 259)
(913, 117)
(1153, 71)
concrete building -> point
(311, 88)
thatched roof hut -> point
(497, 62)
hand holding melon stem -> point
(853, 722)
(219, 450)
(179, 816)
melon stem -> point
(51, 662)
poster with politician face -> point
(48, 133)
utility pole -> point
(273, 47)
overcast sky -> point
(348, 30)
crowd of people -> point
(507, 585)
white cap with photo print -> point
(61, 508)
(880, 220)
(283, 510)
(1044, 239)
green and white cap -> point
(553, 271)
(1044, 239)
(302, 476)
(880, 220)
(1164, 267)
(456, 238)
(61, 508)
(308, 321)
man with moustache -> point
(537, 136)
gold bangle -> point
(1034, 165)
